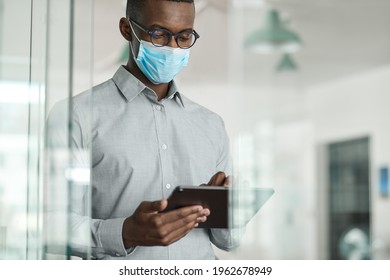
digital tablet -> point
(229, 207)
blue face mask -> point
(160, 64)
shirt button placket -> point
(162, 130)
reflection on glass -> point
(67, 177)
(244, 204)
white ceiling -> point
(340, 38)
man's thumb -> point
(153, 206)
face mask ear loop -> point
(131, 45)
(132, 30)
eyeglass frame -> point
(171, 34)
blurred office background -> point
(307, 115)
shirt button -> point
(168, 186)
(164, 147)
(158, 108)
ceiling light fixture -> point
(273, 37)
(286, 63)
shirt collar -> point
(173, 93)
(131, 87)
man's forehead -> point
(169, 3)
(177, 2)
(169, 13)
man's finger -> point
(227, 182)
(218, 179)
(175, 230)
(153, 206)
(179, 232)
(183, 213)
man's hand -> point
(219, 179)
(148, 227)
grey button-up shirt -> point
(141, 149)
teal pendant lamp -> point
(286, 64)
(273, 37)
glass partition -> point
(15, 102)
(40, 70)
(67, 177)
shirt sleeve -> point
(226, 239)
(96, 237)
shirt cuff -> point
(111, 238)
(130, 250)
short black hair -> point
(134, 7)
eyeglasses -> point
(161, 37)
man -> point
(147, 138)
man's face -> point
(174, 16)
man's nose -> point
(173, 43)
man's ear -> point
(125, 29)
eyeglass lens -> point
(161, 37)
